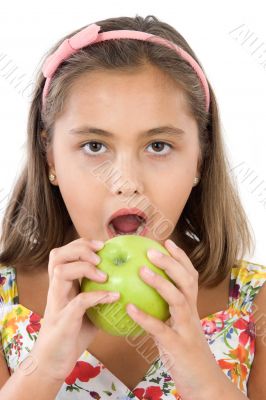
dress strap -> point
(246, 280)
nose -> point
(128, 179)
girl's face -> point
(154, 172)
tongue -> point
(126, 223)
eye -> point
(95, 146)
(160, 146)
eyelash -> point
(93, 141)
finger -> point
(77, 307)
(64, 275)
(78, 269)
(178, 305)
(150, 324)
(181, 256)
(80, 249)
(166, 289)
(184, 282)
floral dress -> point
(230, 334)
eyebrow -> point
(167, 130)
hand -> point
(181, 342)
(66, 330)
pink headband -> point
(90, 35)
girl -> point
(104, 101)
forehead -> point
(138, 99)
(147, 87)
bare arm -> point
(30, 381)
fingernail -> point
(97, 243)
(172, 244)
(148, 271)
(114, 295)
(154, 253)
(101, 274)
(132, 307)
(96, 258)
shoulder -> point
(256, 382)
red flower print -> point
(151, 393)
(224, 315)
(208, 326)
(248, 333)
(139, 392)
(82, 371)
(34, 325)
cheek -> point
(74, 173)
(82, 193)
(176, 183)
(180, 187)
(171, 193)
(84, 206)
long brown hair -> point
(213, 227)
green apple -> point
(121, 258)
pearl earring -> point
(196, 180)
(52, 177)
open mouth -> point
(127, 225)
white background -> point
(233, 58)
